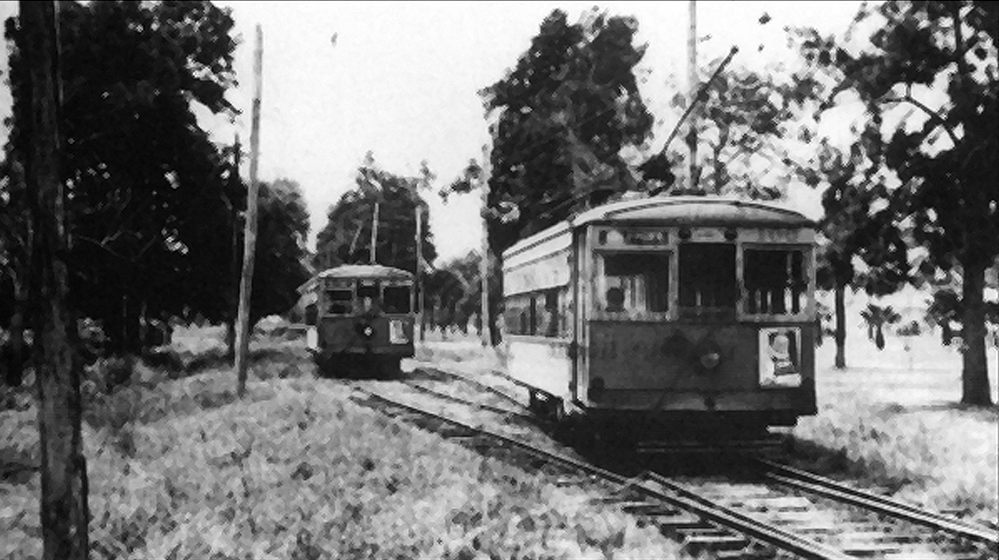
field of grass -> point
(892, 420)
(180, 468)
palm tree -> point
(876, 318)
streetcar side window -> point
(542, 313)
(775, 281)
(707, 278)
(339, 301)
(396, 299)
(635, 282)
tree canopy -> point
(152, 203)
(927, 77)
(346, 238)
(281, 256)
(563, 115)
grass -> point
(900, 429)
(180, 468)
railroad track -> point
(779, 512)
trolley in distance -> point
(363, 319)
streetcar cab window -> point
(339, 301)
(775, 281)
(367, 296)
(707, 279)
(396, 299)
(634, 282)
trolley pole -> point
(484, 262)
(693, 86)
(374, 234)
(250, 228)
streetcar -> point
(360, 319)
(670, 316)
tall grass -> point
(182, 469)
(893, 429)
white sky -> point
(402, 81)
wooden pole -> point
(250, 228)
(64, 514)
(484, 262)
(693, 86)
(234, 265)
(374, 235)
(419, 265)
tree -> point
(282, 229)
(145, 185)
(851, 230)
(15, 256)
(564, 113)
(64, 513)
(563, 116)
(347, 235)
(937, 60)
(747, 123)
(876, 318)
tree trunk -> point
(64, 515)
(230, 338)
(975, 389)
(840, 296)
(15, 366)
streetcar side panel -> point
(538, 312)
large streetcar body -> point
(679, 309)
(362, 311)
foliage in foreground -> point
(297, 470)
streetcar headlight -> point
(366, 331)
(710, 360)
(708, 355)
(780, 357)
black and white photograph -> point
(546, 280)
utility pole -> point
(234, 272)
(64, 512)
(419, 263)
(250, 228)
(374, 234)
(693, 87)
(484, 262)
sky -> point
(401, 80)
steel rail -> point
(466, 402)
(816, 484)
(677, 496)
(500, 393)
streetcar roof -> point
(366, 271)
(696, 210)
(358, 271)
(683, 210)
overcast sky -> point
(401, 80)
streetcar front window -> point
(339, 302)
(635, 282)
(775, 281)
(396, 299)
(707, 279)
(367, 296)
